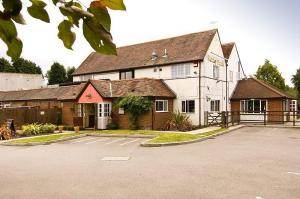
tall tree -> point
(270, 74)
(22, 65)
(95, 20)
(5, 66)
(57, 74)
(70, 71)
(296, 81)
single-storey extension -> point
(252, 97)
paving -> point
(249, 163)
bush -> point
(179, 122)
(112, 126)
(36, 129)
(5, 133)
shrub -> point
(179, 122)
(136, 106)
(35, 129)
(5, 133)
(112, 126)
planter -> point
(76, 129)
(60, 129)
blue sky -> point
(261, 29)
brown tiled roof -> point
(253, 88)
(141, 87)
(227, 49)
(61, 93)
(191, 47)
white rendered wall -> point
(17, 81)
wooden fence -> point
(29, 115)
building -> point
(20, 81)
(193, 66)
(253, 97)
(91, 104)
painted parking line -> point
(258, 197)
(82, 140)
(126, 143)
(294, 173)
(114, 141)
(98, 140)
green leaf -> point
(15, 49)
(12, 7)
(19, 19)
(36, 10)
(113, 4)
(8, 30)
(72, 16)
(65, 34)
(99, 39)
(102, 16)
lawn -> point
(159, 137)
(43, 138)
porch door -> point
(104, 111)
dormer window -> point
(128, 74)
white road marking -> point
(294, 173)
(99, 140)
(114, 141)
(258, 197)
(78, 141)
(125, 143)
(115, 158)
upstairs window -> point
(181, 70)
(188, 106)
(129, 74)
(216, 72)
(238, 76)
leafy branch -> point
(95, 19)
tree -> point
(70, 71)
(5, 66)
(269, 73)
(57, 74)
(136, 106)
(22, 65)
(296, 81)
(95, 21)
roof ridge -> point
(167, 38)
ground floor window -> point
(293, 105)
(188, 106)
(161, 105)
(78, 109)
(104, 110)
(286, 105)
(215, 105)
(253, 106)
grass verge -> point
(43, 138)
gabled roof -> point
(191, 47)
(60, 93)
(253, 88)
(227, 49)
(142, 87)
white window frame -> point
(244, 105)
(214, 103)
(216, 72)
(293, 105)
(165, 106)
(238, 76)
(106, 110)
(180, 70)
(185, 107)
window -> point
(293, 105)
(216, 72)
(238, 76)
(127, 74)
(253, 106)
(79, 110)
(215, 105)
(188, 106)
(161, 105)
(106, 112)
(100, 110)
(286, 105)
(182, 70)
(231, 76)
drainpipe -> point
(110, 88)
(200, 125)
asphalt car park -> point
(254, 163)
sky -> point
(262, 29)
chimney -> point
(154, 56)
